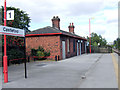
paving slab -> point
(116, 56)
(62, 74)
(102, 75)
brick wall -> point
(54, 44)
(71, 53)
(51, 43)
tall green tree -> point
(21, 21)
(97, 39)
(117, 43)
(0, 16)
(15, 45)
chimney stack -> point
(56, 22)
(71, 28)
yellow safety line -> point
(115, 65)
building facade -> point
(58, 42)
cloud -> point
(40, 10)
(84, 8)
(37, 9)
(112, 21)
(77, 11)
(111, 15)
(111, 3)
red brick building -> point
(58, 42)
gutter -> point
(28, 35)
(47, 34)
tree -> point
(103, 42)
(95, 39)
(0, 16)
(117, 43)
(21, 20)
(15, 45)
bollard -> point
(55, 58)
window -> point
(74, 45)
(68, 45)
(81, 46)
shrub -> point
(33, 52)
(47, 53)
(40, 49)
(40, 54)
(15, 54)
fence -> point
(95, 49)
(34, 58)
(15, 54)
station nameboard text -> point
(11, 31)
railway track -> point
(116, 51)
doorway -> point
(63, 50)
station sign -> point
(12, 31)
(10, 14)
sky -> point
(103, 15)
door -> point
(77, 49)
(80, 48)
(85, 47)
(63, 50)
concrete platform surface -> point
(96, 69)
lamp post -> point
(90, 33)
(5, 70)
(89, 36)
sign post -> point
(89, 37)
(25, 55)
(5, 50)
(13, 32)
(10, 31)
